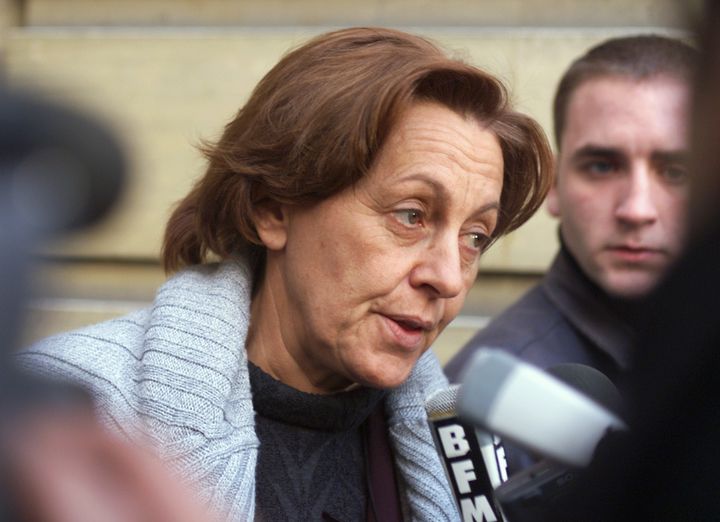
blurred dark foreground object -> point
(668, 470)
(59, 170)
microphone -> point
(60, 170)
(592, 383)
(545, 490)
(521, 403)
(474, 460)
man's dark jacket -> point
(563, 319)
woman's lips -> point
(407, 333)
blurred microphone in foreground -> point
(61, 170)
(521, 403)
(563, 418)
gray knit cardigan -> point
(176, 374)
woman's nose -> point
(440, 268)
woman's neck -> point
(271, 347)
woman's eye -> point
(409, 216)
(477, 241)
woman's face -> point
(359, 285)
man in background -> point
(620, 116)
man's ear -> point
(271, 223)
(552, 201)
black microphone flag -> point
(474, 460)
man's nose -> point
(636, 205)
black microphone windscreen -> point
(60, 169)
(592, 383)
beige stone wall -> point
(473, 13)
(168, 73)
(165, 90)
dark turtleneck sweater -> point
(311, 465)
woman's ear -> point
(271, 223)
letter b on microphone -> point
(454, 443)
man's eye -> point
(409, 216)
(599, 167)
(675, 173)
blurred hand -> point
(66, 468)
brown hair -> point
(636, 57)
(315, 124)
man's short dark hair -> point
(635, 57)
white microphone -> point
(521, 403)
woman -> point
(349, 201)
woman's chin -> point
(386, 377)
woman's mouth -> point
(408, 332)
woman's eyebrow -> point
(444, 194)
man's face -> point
(622, 184)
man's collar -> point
(599, 317)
